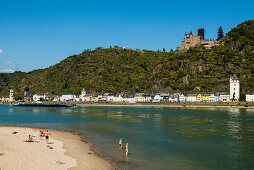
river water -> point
(159, 138)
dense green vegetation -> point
(117, 70)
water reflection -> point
(160, 138)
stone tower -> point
(11, 96)
(234, 87)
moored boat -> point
(42, 104)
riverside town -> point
(223, 97)
(126, 85)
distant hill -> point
(117, 70)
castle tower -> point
(201, 33)
(11, 96)
(234, 87)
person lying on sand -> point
(30, 139)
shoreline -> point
(162, 105)
(68, 147)
(173, 105)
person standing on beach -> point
(121, 143)
(47, 136)
(127, 149)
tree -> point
(242, 97)
(220, 33)
(164, 50)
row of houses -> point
(233, 95)
(138, 97)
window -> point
(234, 84)
(234, 88)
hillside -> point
(117, 70)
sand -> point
(68, 151)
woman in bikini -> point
(121, 143)
(47, 136)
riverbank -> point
(65, 150)
(159, 104)
(182, 105)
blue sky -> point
(38, 34)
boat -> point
(42, 104)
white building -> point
(11, 99)
(110, 97)
(39, 97)
(234, 87)
(138, 97)
(87, 98)
(191, 98)
(146, 97)
(225, 97)
(173, 98)
(68, 97)
(212, 97)
(129, 99)
(157, 98)
(118, 98)
(182, 98)
(83, 94)
(250, 97)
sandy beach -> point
(65, 150)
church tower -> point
(234, 87)
(82, 96)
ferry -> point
(42, 105)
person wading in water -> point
(121, 143)
(127, 149)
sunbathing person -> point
(30, 139)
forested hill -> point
(118, 70)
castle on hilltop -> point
(191, 40)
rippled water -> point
(159, 138)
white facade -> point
(110, 98)
(138, 97)
(234, 87)
(157, 98)
(82, 96)
(129, 100)
(118, 99)
(39, 97)
(250, 97)
(182, 98)
(191, 98)
(146, 98)
(224, 98)
(11, 99)
(68, 97)
(212, 98)
(86, 98)
(173, 99)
